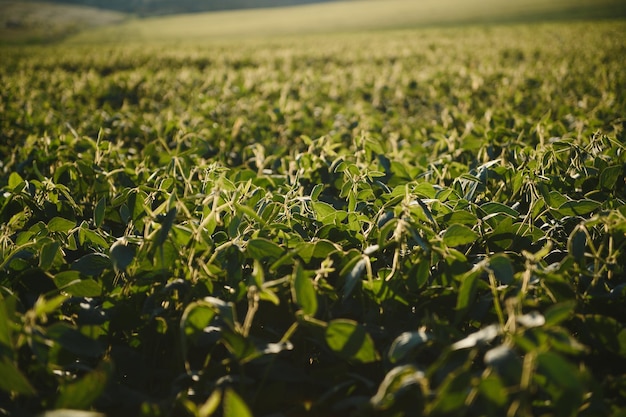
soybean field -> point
(415, 222)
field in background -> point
(350, 16)
(32, 21)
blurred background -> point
(121, 20)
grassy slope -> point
(37, 21)
(349, 16)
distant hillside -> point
(32, 21)
(160, 7)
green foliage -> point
(407, 223)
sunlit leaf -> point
(395, 382)
(577, 207)
(485, 335)
(532, 319)
(458, 234)
(196, 318)
(59, 224)
(87, 236)
(234, 405)
(318, 249)
(263, 249)
(15, 183)
(72, 283)
(210, 405)
(44, 306)
(324, 212)
(493, 207)
(350, 341)
(405, 343)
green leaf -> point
(82, 394)
(241, 347)
(48, 252)
(494, 207)
(405, 343)
(92, 264)
(304, 292)
(210, 405)
(167, 222)
(502, 268)
(609, 176)
(503, 234)
(59, 224)
(350, 341)
(451, 394)
(577, 243)
(492, 389)
(318, 249)
(99, 211)
(396, 381)
(44, 306)
(16, 182)
(316, 191)
(459, 217)
(7, 306)
(71, 283)
(196, 318)
(560, 312)
(234, 405)
(86, 236)
(554, 199)
(458, 234)
(166, 255)
(263, 249)
(421, 274)
(577, 207)
(13, 380)
(467, 292)
(559, 371)
(324, 212)
(121, 254)
(484, 335)
(354, 276)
